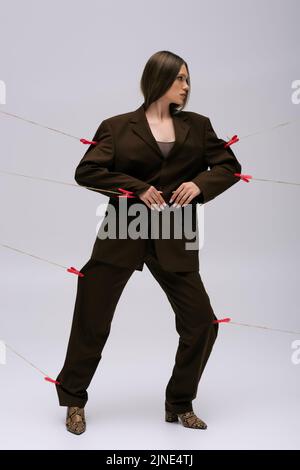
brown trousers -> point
(98, 293)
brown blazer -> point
(127, 156)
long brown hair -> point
(158, 76)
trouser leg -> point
(197, 333)
(98, 292)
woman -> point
(161, 155)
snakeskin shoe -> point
(187, 419)
(75, 420)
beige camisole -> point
(165, 147)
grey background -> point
(69, 65)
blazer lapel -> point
(140, 126)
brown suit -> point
(129, 157)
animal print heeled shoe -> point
(187, 419)
(75, 420)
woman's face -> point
(178, 91)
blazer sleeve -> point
(96, 168)
(222, 163)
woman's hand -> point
(184, 194)
(152, 198)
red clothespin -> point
(75, 271)
(223, 320)
(51, 380)
(233, 140)
(91, 142)
(243, 177)
(125, 193)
